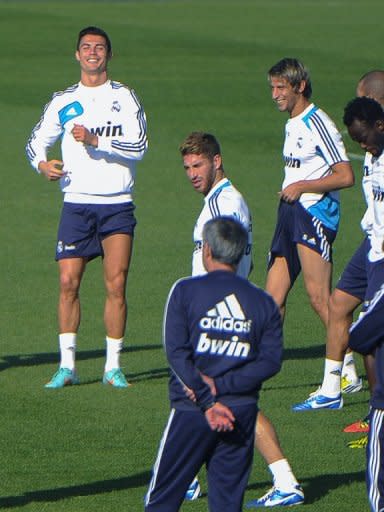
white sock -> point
(331, 385)
(114, 347)
(67, 343)
(349, 367)
(283, 477)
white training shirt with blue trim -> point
(112, 112)
(222, 200)
(377, 234)
(312, 146)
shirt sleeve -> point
(251, 375)
(179, 350)
(328, 139)
(43, 135)
(366, 183)
(133, 142)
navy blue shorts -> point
(83, 227)
(187, 444)
(354, 278)
(375, 279)
(295, 225)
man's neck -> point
(213, 265)
(219, 176)
(93, 80)
(300, 106)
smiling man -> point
(102, 127)
(316, 168)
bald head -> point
(372, 85)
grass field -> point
(196, 64)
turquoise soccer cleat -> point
(63, 377)
(115, 378)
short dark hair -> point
(227, 239)
(97, 32)
(363, 109)
(294, 72)
(200, 143)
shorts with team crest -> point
(83, 227)
(295, 225)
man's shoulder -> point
(119, 86)
(228, 194)
(126, 93)
(122, 89)
(71, 89)
(316, 116)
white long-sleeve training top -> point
(111, 111)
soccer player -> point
(223, 339)
(204, 167)
(364, 118)
(350, 291)
(203, 164)
(102, 127)
(316, 166)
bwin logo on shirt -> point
(291, 161)
(226, 316)
(108, 131)
(378, 193)
(232, 348)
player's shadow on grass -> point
(25, 360)
(133, 378)
(317, 487)
(73, 491)
(313, 352)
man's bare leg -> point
(117, 256)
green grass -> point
(196, 64)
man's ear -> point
(302, 85)
(380, 125)
(207, 255)
(217, 162)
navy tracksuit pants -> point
(187, 444)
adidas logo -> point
(226, 316)
(311, 240)
(72, 112)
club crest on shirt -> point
(116, 107)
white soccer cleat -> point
(350, 386)
(194, 490)
(278, 498)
